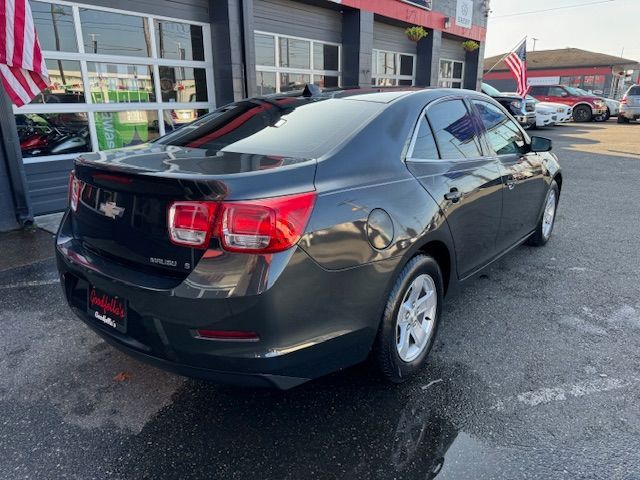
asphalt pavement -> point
(535, 373)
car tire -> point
(622, 119)
(406, 333)
(582, 113)
(607, 115)
(545, 225)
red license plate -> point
(108, 309)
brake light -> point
(74, 191)
(190, 223)
(624, 100)
(265, 226)
(251, 226)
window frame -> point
(451, 79)
(154, 61)
(311, 71)
(482, 147)
(486, 145)
(396, 76)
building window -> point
(451, 73)
(393, 68)
(286, 63)
(117, 79)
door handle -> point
(453, 195)
(511, 182)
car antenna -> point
(311, 90)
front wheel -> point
(545, 225)
(410, 320)
(582, 113)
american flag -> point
(22, 69)
(517, 63)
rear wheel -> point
(545, 226)
(622, 119)
(582, 113)
(410, 321)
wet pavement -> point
(535, 373)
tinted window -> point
(265, 50)
(502, 133)
(114, 34)
(539, 90)
(54, 24)
(424, 146)
(285, 127)
(556, 91)
(634, 91)
(179, 41)
(325, 57)
(454, 130)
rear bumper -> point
(631, 113)
(304, 332)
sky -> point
(606, 27)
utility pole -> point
(535, 40)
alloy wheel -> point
(549, 215)
(416, 318)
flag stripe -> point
(517, 63)
(22, 70)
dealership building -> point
(601, 74)
(125, 72)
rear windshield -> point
(287, 126)
(634, 91)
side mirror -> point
(540, 144)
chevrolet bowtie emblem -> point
(111, 210)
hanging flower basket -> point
(415, 34)
(470, 45)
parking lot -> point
(535, 373)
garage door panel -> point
(391, 38)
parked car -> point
(521, 109)
(630, 105)
(281, 238)
(549, 114)
(585, 107)
(613, 106)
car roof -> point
(374, 94)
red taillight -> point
(252, 226)
(227, 335)
(74, 191)
(265, 226)
(190, 223)
(624, 100)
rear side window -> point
(557, 92)
(454, 130)
(503, 135)
(539, 90)
(424, 146)
(634, 91)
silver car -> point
(630, 105)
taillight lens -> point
(624, 100)
(252, 226)
(74, 191)
(265, 226)
(190, 223)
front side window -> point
(557, 92)
(284, 63)
(454, 130)
(451, 72)
(503, 135)
(393, 68)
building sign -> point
(544, 81)
(464, 13)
